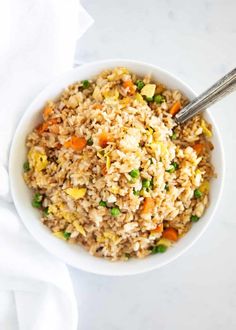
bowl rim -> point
(112, 272)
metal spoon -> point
(220, 89)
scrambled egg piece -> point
(79, 228)
(59, 234)
(37, 159)
(205, 129)
(113, 93)
(76, 193)
(139, 98)
(164, 241)
(148, 90)
(205, 187)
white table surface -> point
(196, 40)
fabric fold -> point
(36, 291)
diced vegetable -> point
(103, 140)
(46, 211)
(103, 169)
(173, 167)
(46, 112)
(146, 183)
(148, 205)
(173, 136)
(194, 218)
(76, 193)
(26, 166)
(197, 193)
(103, 203)
(66, 235)
(158, 229)
(45, 125)
(176, 165)
(90, 142)
(167, 187)
(170, 233)
(115, 211)
(159, 249)
(175, 108)
(136, 192)
(134, 173)
(37, 200)
(159, 99)
(76, 143)
(140, 84)
(37, 205)
(85, 83)
(149, 99)
(148, 90)
(130, 85)
(198, 147)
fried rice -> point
(111, 170)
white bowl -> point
(75, 255)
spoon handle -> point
(221, 88)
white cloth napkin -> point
(37, 42)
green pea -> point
(38, 197)
(149, 99)
(194, 218)
(197, 193)
(26, 166)
(134, 173)
(66, 235)
(159, 99)
(102, 203)
(167, 187)
(90, 142)
(140, 84)
(176, 165)
(45, 211)
(159, 249)
(151, 161)
(173, 136)
(173, 167)
(37, 200)
(36, 204)
(85, 84)
(136, 192)
(115, 211)
(146, 183)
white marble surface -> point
(195, 40)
